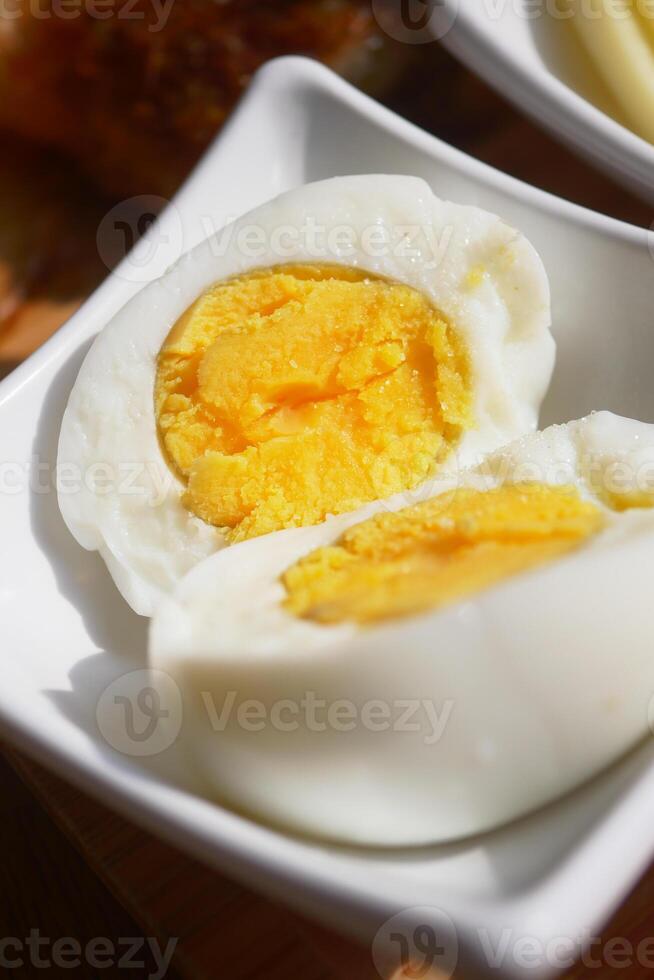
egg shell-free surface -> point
(484, 710)
(137, 520)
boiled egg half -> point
(434, 665)
(334, 347)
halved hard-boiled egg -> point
(334, 347)
(432, 666)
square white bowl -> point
(67, 634)
(534, 60)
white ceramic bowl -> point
(534, 60)
(70, 645)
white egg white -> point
(479, 272)
(437, 726)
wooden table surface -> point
(71, 868)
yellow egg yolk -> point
(436, 552)
(295, 392)
(628, 499)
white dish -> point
(67, 634)
(536, 62)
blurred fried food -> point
(48, 260)
(134, 90)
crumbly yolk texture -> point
(295, 392)
(437, 552)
